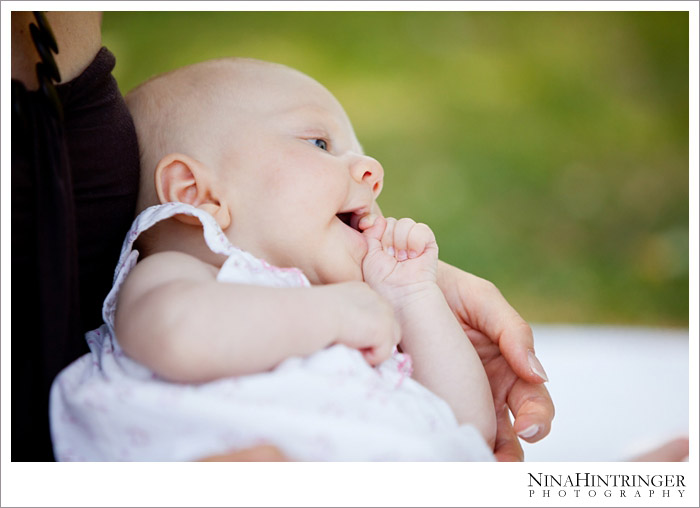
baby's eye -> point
(321, 143)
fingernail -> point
(529, 432)
(390, 251)
(412, 254)
(536, 366)
(402, 256)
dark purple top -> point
(74, 189)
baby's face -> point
(296, 177)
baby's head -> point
(268, 152)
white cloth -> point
(329, 406)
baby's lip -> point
(355, 218)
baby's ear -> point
(182, 179)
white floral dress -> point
(329, 406)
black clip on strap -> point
(46, 70)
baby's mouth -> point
(357, 221)
(350, 219)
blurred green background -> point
(548, 151)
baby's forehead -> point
(279, 87)
(276, 90)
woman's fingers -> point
(261, 453)
(673, 451)
(532, 409)
(482, 306)
(507, 448)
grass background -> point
(548, 150)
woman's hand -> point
(503, 341)
(260, 453)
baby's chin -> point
(346, 274)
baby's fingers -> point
(363, 222)
(373, 227)
(388, 236)
(378, 354)
(419, 237)
(401, 232)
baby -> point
(260, 296)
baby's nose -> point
(368, 170)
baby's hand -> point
(366, 320)
(401, 256)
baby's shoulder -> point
(161, 267)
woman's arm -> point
(175, 318)
(78, 35)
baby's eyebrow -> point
(317, 118)
(306, 115)
(305, 108)
(321, 119)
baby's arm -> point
(174, 317)
(401, 265)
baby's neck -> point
(173, 235)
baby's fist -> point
(399, 252)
